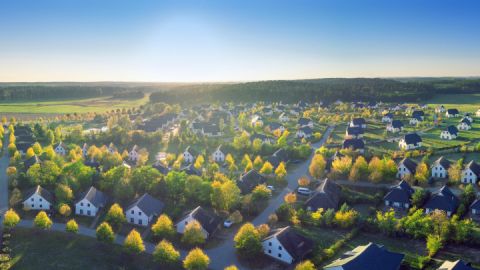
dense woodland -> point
(326, 90)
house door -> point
(89, 213)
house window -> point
(279, 255)
(88, 204)
(32, 205)
(81, 211)
(41, 199)
(31, 199)
(139, 213)
(269, 244)
(41, 206)
(131, 220)
(131, 212)
(89, 213)
(140, 221)
(279, 248)
(269, 251)
(81, 204)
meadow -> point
(98, 105)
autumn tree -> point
(42, 221)
(247, 241)
(163, 228)
(166, 254)
(196, 260)
(267, 168)
(193, 234)
(105, 233)
(422, 173)
(305, 265)
(317, 166)
(134, 243)
(115, 215)
(10, 219)
(71, 226)
(359, 169)
(290, 198)
(281, 171)
(257, 163)
(303, 181)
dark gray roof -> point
(249, 180)
(453, 111)
(412, 138)
(304, 121)
(31, 161)
(40, 191)
(410, 164)
(191, 170)
(474, 167)
(389, 115)
(369, 257)
(475, 205)
(296, 245)
(444, 200)
(418, 113)
(400, 193)
(442, 161)
(211, 129)
(353, 143)
(208, 220)
(452, 130)
(161, 168)
(466, 121)
(355, 130)
(95, 197)
(148, 204)
(306, 130)
(358, 121)
(326, 196)
(397, 124)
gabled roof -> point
(453, 111)
(466, 121)
(304, 121)
(369, 257)
(192, 151)
(397, 124)
(418, 113)
(295, 244)
(442, 161)
(211, 129)
(95, 197)
(161, 168)
(249, 180)
(326, 196)
(148, 205)
(355, 130)
(306, 130)
(475, 205)
(444, 200)
(358, 121)
(400, 193)
(474, 167)
(209, 221)
(456, 265)
(409, 164)
(388, 115)
(412, 138)
(452, 130)
(191, 170)
(40, 191)
(31, 161)
(354, 143)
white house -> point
(471, 173)
(478, 113)
(286, 245)
(218, 155)
(440, 109)
(90, 203)
(61, 149)
(111, 148)
(257, 121)
(133, 155)
(387, 118)
(452, 113)
(414, 120)
(450, 133)
(304, 132)
(440, 168)
(406, 167)
(410, 141)
(189, 155)
(395, 126)
(284, 117)
(38, 198)
(208, 221)
(464, 124)
(143, 210)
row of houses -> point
(439, 170)
(399, 197)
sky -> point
(236, 40)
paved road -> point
(222, 255)
(4, 161)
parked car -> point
(227, 223)
(304, 191)
(272, 188)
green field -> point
(98, 105)
(35, 249)
(462, 102)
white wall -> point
(136, 216)
(36, 202)
(273, 248)
(85, 208)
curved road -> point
(221, 256)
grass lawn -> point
(34, 249)
(99, 105)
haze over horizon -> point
(231, 41)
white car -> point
(304, 191)
(272, 188)
(227, 223)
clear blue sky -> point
(137, 40)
